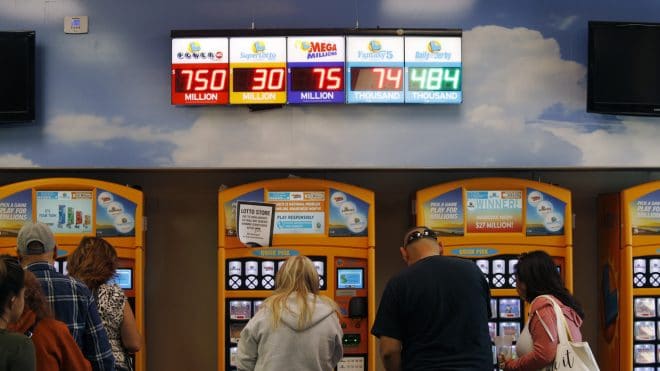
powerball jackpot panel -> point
(74, 208)
(332, 224)
(491, 221)
(629, 267)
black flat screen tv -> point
(624, 68)
(17, 76)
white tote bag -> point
(574, 356)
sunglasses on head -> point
(417, 235)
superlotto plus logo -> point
(194, 51)
(375, 51)
(317, 49)
(259, 52)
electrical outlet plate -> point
(76, 24)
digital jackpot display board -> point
(200, 71)
(316, 66)
(316, 69)
(257, 68)
(433, 70)
(375, 69)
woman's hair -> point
(297, 278)
(94, 262)
(539, 273)
(35, 300)
(12, 280)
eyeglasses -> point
(418, 235)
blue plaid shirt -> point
(73, 303)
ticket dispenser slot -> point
(351, 295)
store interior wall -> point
(181, 242)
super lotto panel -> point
(257, 70)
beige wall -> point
(181, 207)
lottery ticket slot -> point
(492, 221)
(75, 208)
(332, 224)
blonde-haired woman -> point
(296, 328)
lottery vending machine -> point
(629, 273)
(492, 221)
(329, 222)
(75, 208)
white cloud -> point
(73, 129)
(15, 160)
(563, 23)
(634, 142)
(425, 9)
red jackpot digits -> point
(376, 78)
(200, 80)
(317, 79)
(258, 79)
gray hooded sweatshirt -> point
(315, 346)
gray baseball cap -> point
(31, 232)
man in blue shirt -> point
(434, 314)
(71, 301)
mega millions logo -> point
(259, 52)
(375, 51)
(194, 51)
(317, 49)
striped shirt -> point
(73, 303)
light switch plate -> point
(76, 24)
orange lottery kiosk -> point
(492, 221)
(329, 222)
(629, 274)
(74, 208)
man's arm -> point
(390, 352)
(97, 347)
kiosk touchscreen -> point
(629, 273)
(332, 224)
(492, 221)
(74, 208)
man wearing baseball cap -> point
(71, 301)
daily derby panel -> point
(301, 68)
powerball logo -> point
(375, 51)
(317, 49)
(258, 49)
(194, 51)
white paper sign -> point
(255, 223)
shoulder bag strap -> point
(564, 334)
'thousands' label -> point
(474, 251)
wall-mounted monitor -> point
(17, 76)
(624, 68)
(350, 278)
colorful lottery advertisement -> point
(15, 210)
(231, 207)
(65, 212)
(545, 214)
(645, 214)
(444, 213)
(115, 215)
(348, 215)
(494, 211)
(298, 212)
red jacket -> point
(54, 346)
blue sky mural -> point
(104, 98)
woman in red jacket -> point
(537, 275)
(55, 348)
